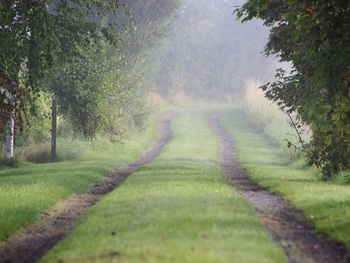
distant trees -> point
(209, 54)
(315, 37)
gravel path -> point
(287, 225)
(30, 243)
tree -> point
(101, 85)
(37, 36)
(315, 37)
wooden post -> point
(53, 130)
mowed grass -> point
(327, 205)
(179, 208)
(32, 188)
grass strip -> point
(327, 205)
(179, 208)
(32, 188)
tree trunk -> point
(53, 130)
(9, 139)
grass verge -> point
(179, 208)
(32, 188)
(327, 205)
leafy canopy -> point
(37, 36)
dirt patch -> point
(30, 243)
(287, 225)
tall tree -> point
(314, 36)
(35, 37)
(100, 86)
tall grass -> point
(155, 100)
(68, 148)
(272, 121)
(261, 110)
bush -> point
(71, 148)
(38, 153)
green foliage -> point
(38, 35)
(38, 125)
(89, 55)
(315, 37)
(83, 90)
(103, 89)
(343, 178)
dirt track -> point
(30, 243)
(287, 225)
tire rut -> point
(30, 243)
(287, 225)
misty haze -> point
(175, 131)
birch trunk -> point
(9, 138)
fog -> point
(207, 53)
(100, 63)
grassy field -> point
(327, 205)
(179, 208)
(32, 188)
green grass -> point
(327, 205)
(281, 131)
(32, 188)
(179, 208)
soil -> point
(288, 226)
(30, 243)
